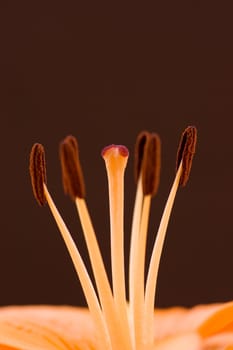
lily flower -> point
(111, 322)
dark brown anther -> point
(141, 142)
(152, 166)
(72, 176)
(186, 152)
(37, 171)
(148, 161)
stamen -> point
(185, 156)
(37, 171)
(69, 148)
(72, 176)
(186, 152)
(147, 161)
(115, 158)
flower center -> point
(119, 324)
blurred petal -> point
(189, 341)
(204, 327)
(46, 327)
(179, 320)
(214, 324)
(219, 342)
(220, 321)
(217, 329)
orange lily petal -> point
(221, 341)
(71, 328)
(177, 324)
(190, 341)
(178, 320)
(46, 327)
(220, 321)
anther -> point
(148, 161)
(139, 151)
(37, 171)
(72, 175)
(186, 152)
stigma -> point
(120, 323)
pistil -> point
(115, 158)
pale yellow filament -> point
(155, 260)
(140, 264)
(112, 320)
(82, 273)
(134, 254)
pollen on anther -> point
(186, 152)
(37, 171)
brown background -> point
(103, 74)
